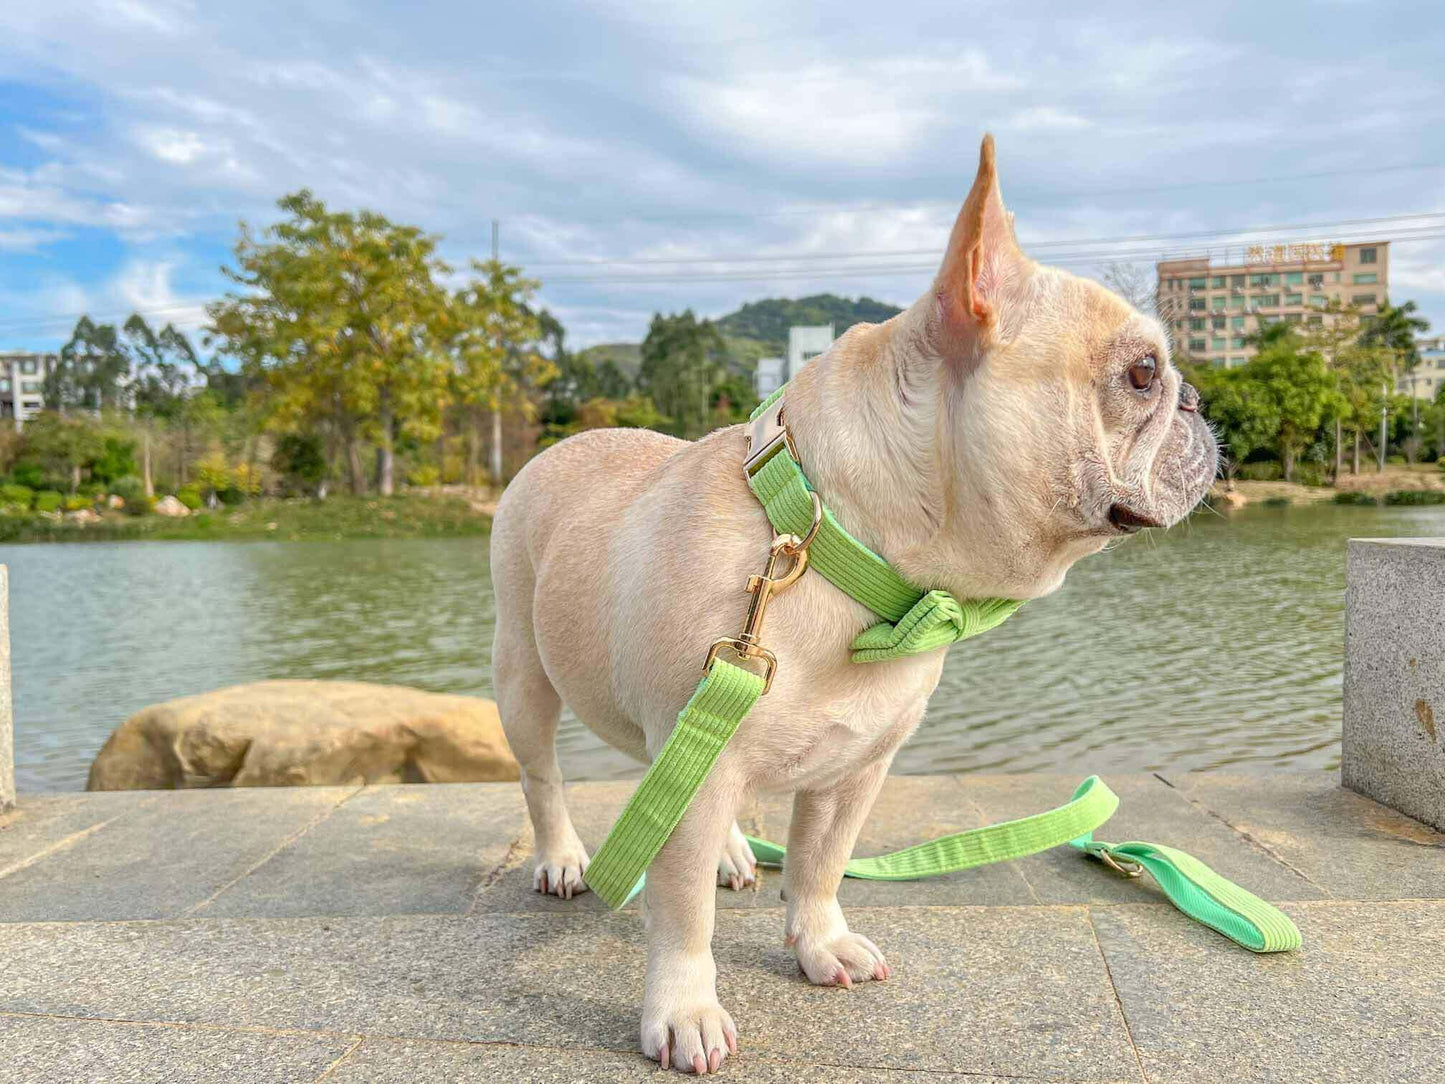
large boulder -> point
(298, 733)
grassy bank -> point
(404, 516)
(1419, 483)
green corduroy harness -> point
(911, 621)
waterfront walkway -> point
(391, 934)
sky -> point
(733, 151)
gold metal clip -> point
(748, 644)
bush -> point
(28, 473)
(1261, 472)
(92, 489)
(425, 475)
(1307, 474)
(117, 461)
(48, 500)
(76, 503)
(16, 494)
(189, 496)
(231, 495)
(1396, 460)
(1440, 462)
(1275, 502)
(1415, 496)
(133, 491)
(1350, 496)
(299, 460)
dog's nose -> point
(1188, 398)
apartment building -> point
(22, 380)
(805, 342)
(1429, 376)
(1210, 309)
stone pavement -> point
(391, 934)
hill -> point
(626, 356)
(766, 322)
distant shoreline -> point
(416, 514)
(1370, 485)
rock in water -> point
(299, 733)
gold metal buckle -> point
(747, 644)
(1118, 864)
(767, 433)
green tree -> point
(62, 446)
(339, 315)
(680, 365)
(91, 371)
(493, 332)
(1244, 414)
(1300, 387)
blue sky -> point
(135, 133)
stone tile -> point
(164, 856)
(594, 808)
(985, 991)
(1347, 845)
(389, 850)
(1150, 810)
(397, 1062)
(41, 1050)
(1360, 1002)
(909, 810)
(40, 824)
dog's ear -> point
(981, 286)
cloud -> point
(29, 239)
(1040, 117)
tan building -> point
(1209, 310)
(22, 379)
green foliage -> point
(76, 503)
(1245, 417)
(189, 496)
(681, 363)
(1265, 471)
(1276, 502)
(12, 493)
(132, 491)
(298, 460)
(768, 321)
(116, 460)
(48, 500)
(427, 474)
(213, 472)
(28, 472)
(1351, 496)
(63, 445)
(1415, 496)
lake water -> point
(1217, 644)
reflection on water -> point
(1218, 643)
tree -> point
(91, 372)
(492, 335)
(1394, 329)
(62, 446)
(340, 316)
(1300, 386)
(1245, 416)
(680, 365)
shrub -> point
(1395, 460)
(1440, 462)
(1415, 496)
(133, 491)
(48, 500)
(28, 473)
(424, 475)
(76, 503)
(92, 489)
(1261, 472)
(117, 461)
(1351, 496)
(298, 459)
(17, 495)
(1275, 502)
(246, 481)
(1307, 474)
(231, 495)
(189, 496)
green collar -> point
(913, 620)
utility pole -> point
(496, 410)
(1384, 415)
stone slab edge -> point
(7, 718)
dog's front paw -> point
(559, 870)
(838, 957)
(691, 1035)
(736, 867)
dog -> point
(1013, 420)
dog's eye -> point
(1142, 372)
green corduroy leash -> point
(913, 621)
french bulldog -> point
(1013, 420)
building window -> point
(1196, 346)
(1367, 255)
(1267, 301)
(1261, 280)
(1217, 323)
(1236, 280)
(1334, 276)
(1196, 323)
(1294, 317)
(1216, 344)
(1316, 281)
(1237, 342)
(1218, 282)
(1236, 321)
(1294, 299)
(30, 387)
(1315, 321)
(1365, 278)
(5, 384)
(1363, 299)
(1196, 304)
(1294, 278)
(1236, 302)
(1319, 301)
(1217, 303)
(1196, 284)
(28, 366)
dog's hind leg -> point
(530, 707)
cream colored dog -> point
(1013, 420)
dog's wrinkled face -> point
(1061, 413)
